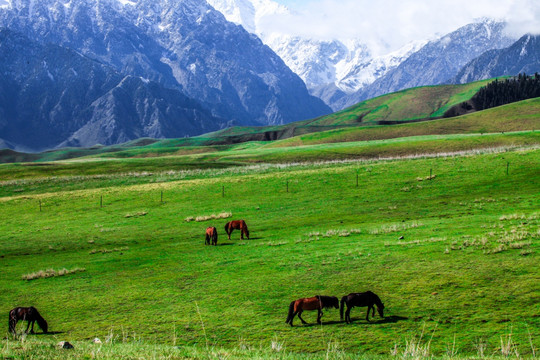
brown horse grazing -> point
(29, 314)
(239, 225)
(211, 234)
(317, 302)
(361, 299)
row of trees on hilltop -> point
(507, 91)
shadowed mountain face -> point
(183, 45)
(52, 96)
(521, 57)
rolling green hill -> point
(520, 116)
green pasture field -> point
(454, 255)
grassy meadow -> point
(449, 243)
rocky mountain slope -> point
(52, 96)
(521, 57)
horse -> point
(211, 234)
(361, 299)
(30, 314)
(239, 225)
(318, 302)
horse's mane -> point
(40, 320)
(376, 298)
(327, 301)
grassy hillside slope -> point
(524, 115)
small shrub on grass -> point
(42, 274)
(106, 251)
(137, 214)
(223, 215)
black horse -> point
(361, 299)
(318, 302)
(30, 314)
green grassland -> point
(454, 257)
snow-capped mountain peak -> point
(346, 65)
(249, 13)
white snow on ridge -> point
(127, 2)
(347, 63)
(4, 4)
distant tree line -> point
(507, 91)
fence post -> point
(162, 196)
(101, 201)
(223, 191)
(39, 205)
(507, 167)
(357, 179)
(287, 185)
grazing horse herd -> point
(212, 235)
(318, 302)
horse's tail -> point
(342, 306)
(40, 320)
(246, 229)
(291, 312)
(12, 321)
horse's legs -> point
(367, 315)
(27, 326)
(13, 325)
(373, 312)
(319, 316)
(292, 318)
(300, 317)
(242, 233)
(348, 315)
(32, 329)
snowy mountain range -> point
(183, 45)
(330, 69)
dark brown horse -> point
(238, 225)
(211, 235)
(361, 299)
(29, 314)
(317, 302)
